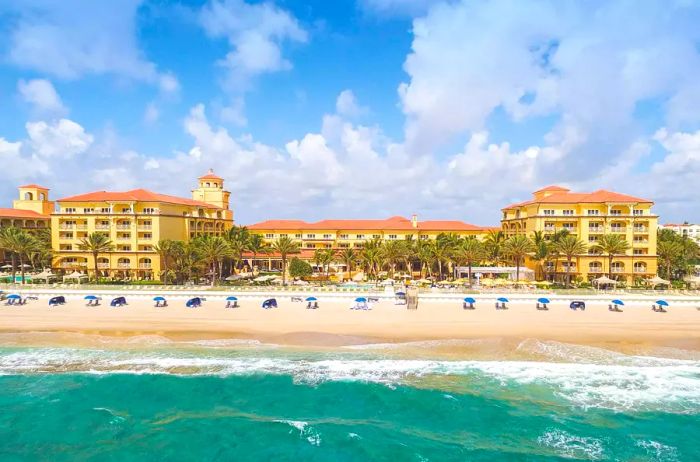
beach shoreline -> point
(335, 325)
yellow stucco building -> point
(135, 221)
(589, 216)
(343, 234)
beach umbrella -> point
(361, 299)
(502, 299)
(159, 299)
(231, 299)
(311, 299)
(13, 297)
(400, 293)
(543, 300)
(6, 266)
(618, 302)
(91, 297)
(662, 302)
(469, 299)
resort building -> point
(135, 221)
(31, 211)
(344, 234)
(685, 229)
(589, 216)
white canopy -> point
(656, 280)
(46, 274)
(604, 280)
(74, 275)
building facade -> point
(31, 211)
(589, 216)
(343, 234)
(135, 221)
(688, 230)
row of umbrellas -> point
(545, 301)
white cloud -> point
(42, 95)
(62, 139)
(234, 113)
(255, 33)
(70, 39)
(346, 104)
(398, 7)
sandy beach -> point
(334, 323)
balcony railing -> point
(641, 229)
(72, 264)
(596, 229)
(102, 227)
(123, 238)
(103, 265)
(617, 270)
(124, 265)
(640, 270)
(145, 227)
(618, 230)
(145, 265)
(123, 226)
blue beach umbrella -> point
(360, 299)
(618, 302)
(469, 300)
(90, 297)
(159, 299)
(400, 293)
(231, 299)
(311, 299)
(503, 299)
(543, 300)
(13, 297)
(662, 302)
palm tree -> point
(213, 250)
(441, 251)
(42, 254)
(371, 257)
(470, 251)
(393, 252)
(611, 244)
(542, 252)
(238, 239)
(570, 246)
(285, 246)
(348, 256)
(323, 258)
(8, 242)
(517, 248)
(186, 260)
(165, 248)
(96, 243)
(668, 251)
(553, 251)
(424, 256)
(494, 245)
(257, 245)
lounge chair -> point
(577, 305)
(614, 308)
(658, 309)
(297, 299)
(269, 303)
(501, 306)
(232, 304)
(161, 303)
(541, 306)
(468, 306)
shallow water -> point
(223, 401)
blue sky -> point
(362, 108)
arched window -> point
(640, 267)
(28, 196)
(42, 196)
(218, 214)
(207, 184)
(201, 212)
(595, 267)
(216, 185)
(618, 267)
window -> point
(69, 210)
(269, 236)
(310, 246)
(639, 252)
(595, 267)
(149, 210)
(593, 212)
(126, 209)
(124, 248)
(105, 210)
(327, 236)
(360, 236)
(344, 245)
(548, 212)
(376, 236)
(592, 238)
(147, 236)
(89, 210)
(638, 212)
(297, 236)
(326, 246)
(392, 236)
(616, 212)
(343, 236)
(640, 267)
(424, 236)
(311, 236)
(568, 212)
(284, 235)
(569, 226)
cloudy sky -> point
(354, 108)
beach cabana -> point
(74, 276)
(45, 275)
(118, 301)
(604, 281)
(194, 302)
(400, 298)
(360, 303)
(59, 300)
(659, 306)
(160, 301)
(468, 303)
(311, 303)
(231, 302)
(615, 305)
(501, 303)
(269, 303)
(542, 303)
(92, 300)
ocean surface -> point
(220, 400)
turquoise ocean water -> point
(208, 402)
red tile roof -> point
(17, 213)
(36, 186)
(142, 195)
(396, 223)
(552, 188)
(597, 197)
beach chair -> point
(297, 299)
(468, 303)
(577, 305)
(541, 306)
(315, 306)
(195, 302)
(160, 302)
(614, 308)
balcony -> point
(145, 227)
(123, 238)
(127, 227)
(641, 229)
(597, 229)
(123, 265)
(617, 270)
(640, 270)
(145, 265)
(72, 264)
(103, 265)
(72, 227)
(102, 227)
(618, 229)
